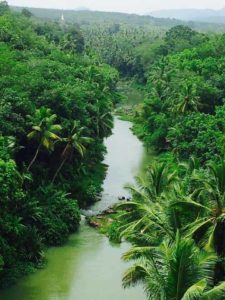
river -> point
(89, 267)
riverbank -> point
(132, 95)
(89, 259)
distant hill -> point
(81, 8)
(203, 15)
(87, 17)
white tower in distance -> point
(62, 20)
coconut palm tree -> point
(159, 79)
(207, 203)
(44, 130)
(157, 180)
(177, 271)
(147, 212)
(103, 121)
(76, 140)
(188, 100)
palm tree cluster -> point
(45, 131)
(176, 223)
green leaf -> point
(195, 291)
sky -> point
(130, 6)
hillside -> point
(203, 15)
(86, 18)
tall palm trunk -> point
(62, 163)
(34, 158)
(97, 127)
(59, 169)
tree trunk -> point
(34, 158)
(97, 128)
(59, 169)
(62, 163)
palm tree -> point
(177, 271)
(157, 180)
(191, 165)
(207, 203)
(1, 263)
(77, 141)
(188, 100)
(44, 130)
(147, 211)
(159, 80)
(103, 121)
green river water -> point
(88, 267)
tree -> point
(178, 271)
(146, 213)
(44, 130)
(73, 41)
(209, 225)
(40, 79)
(77, 141)
(26, 13)
(182, 37)
(1, 263)
(103, 121)
(4, 7)
(188, 100)
(198, 134)
(205, 204)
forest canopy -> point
(58, 92)
(55, 110)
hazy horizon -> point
(131, 6)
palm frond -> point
(195, 291)
(217, 293)
(134, 275)
(199, 224)
(138, 252)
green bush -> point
(199, 134)
(113, 232)
(60, 215)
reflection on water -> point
(89, 267)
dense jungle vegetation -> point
(55, 110)
(87, 18)
(176, 217)
(57, 96)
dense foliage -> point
(131, 48)
(56, 101)
(184, 106)
(87, 18)
(124, 41)
(55, 110)
(175, 219)
(175, 222)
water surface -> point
(88, 267)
